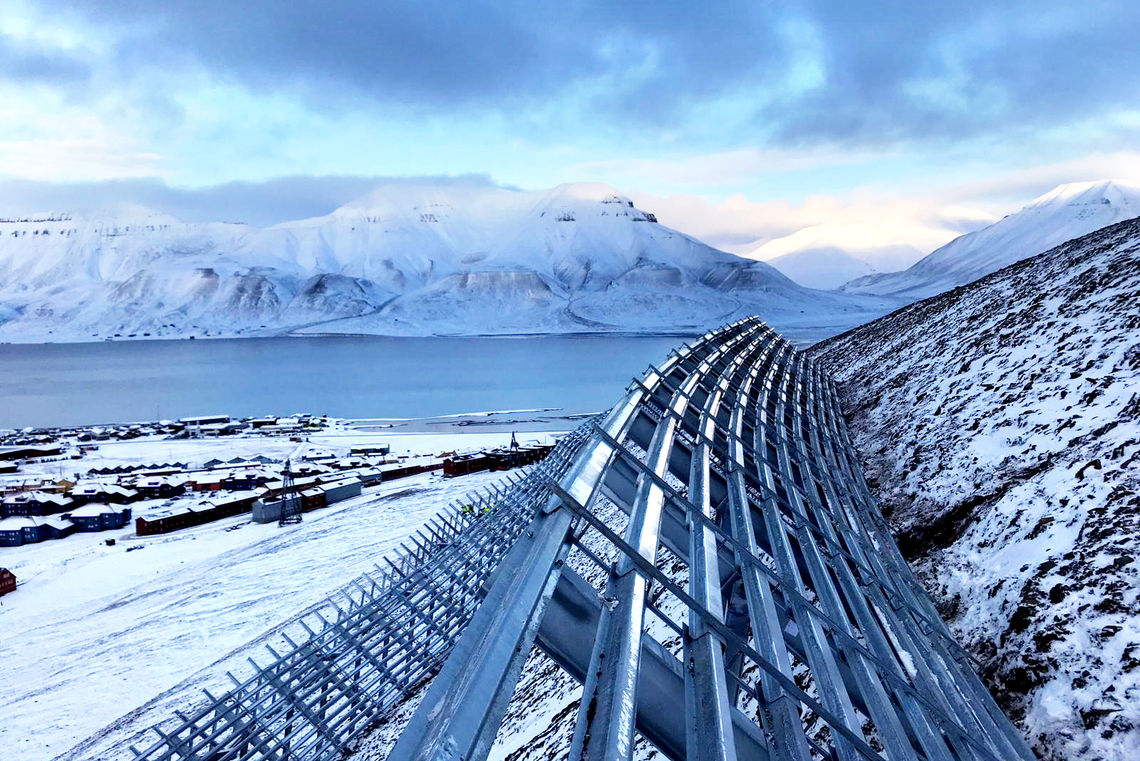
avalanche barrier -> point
(793, 631)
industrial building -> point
(268, 510)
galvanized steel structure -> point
(788, 625)
(706, 560)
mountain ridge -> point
(404, 259)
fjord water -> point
(342, 376)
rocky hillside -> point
(1000, 425)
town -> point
(60, 481)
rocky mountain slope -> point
(1000, 426)
(1066, 212)
(403, 260)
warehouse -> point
(29, 452)
(215, 429)
(375, 449)
(204, 420)
(341, 489)
(270, 511)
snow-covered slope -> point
(403, 260)
(1000, 425)
(1064, 213)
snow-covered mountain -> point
(1066, 212)
(999, 424)
(403, 260)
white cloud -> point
(720, 169)
(859, 221)
(74, 160)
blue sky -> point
(749, 113)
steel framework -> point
(705, 559)
(748, 577)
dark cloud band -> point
(881, 72)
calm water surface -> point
(75, 384)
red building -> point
(7, 581)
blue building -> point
(20, 530)
(97, 517)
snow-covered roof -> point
(94, 510)
(18, 522)
(97, 487)
(350, 481)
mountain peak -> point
(588, 191)
(1104, 192)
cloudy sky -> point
(737, 121)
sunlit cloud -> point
(860, 221)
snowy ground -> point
(95, 631)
